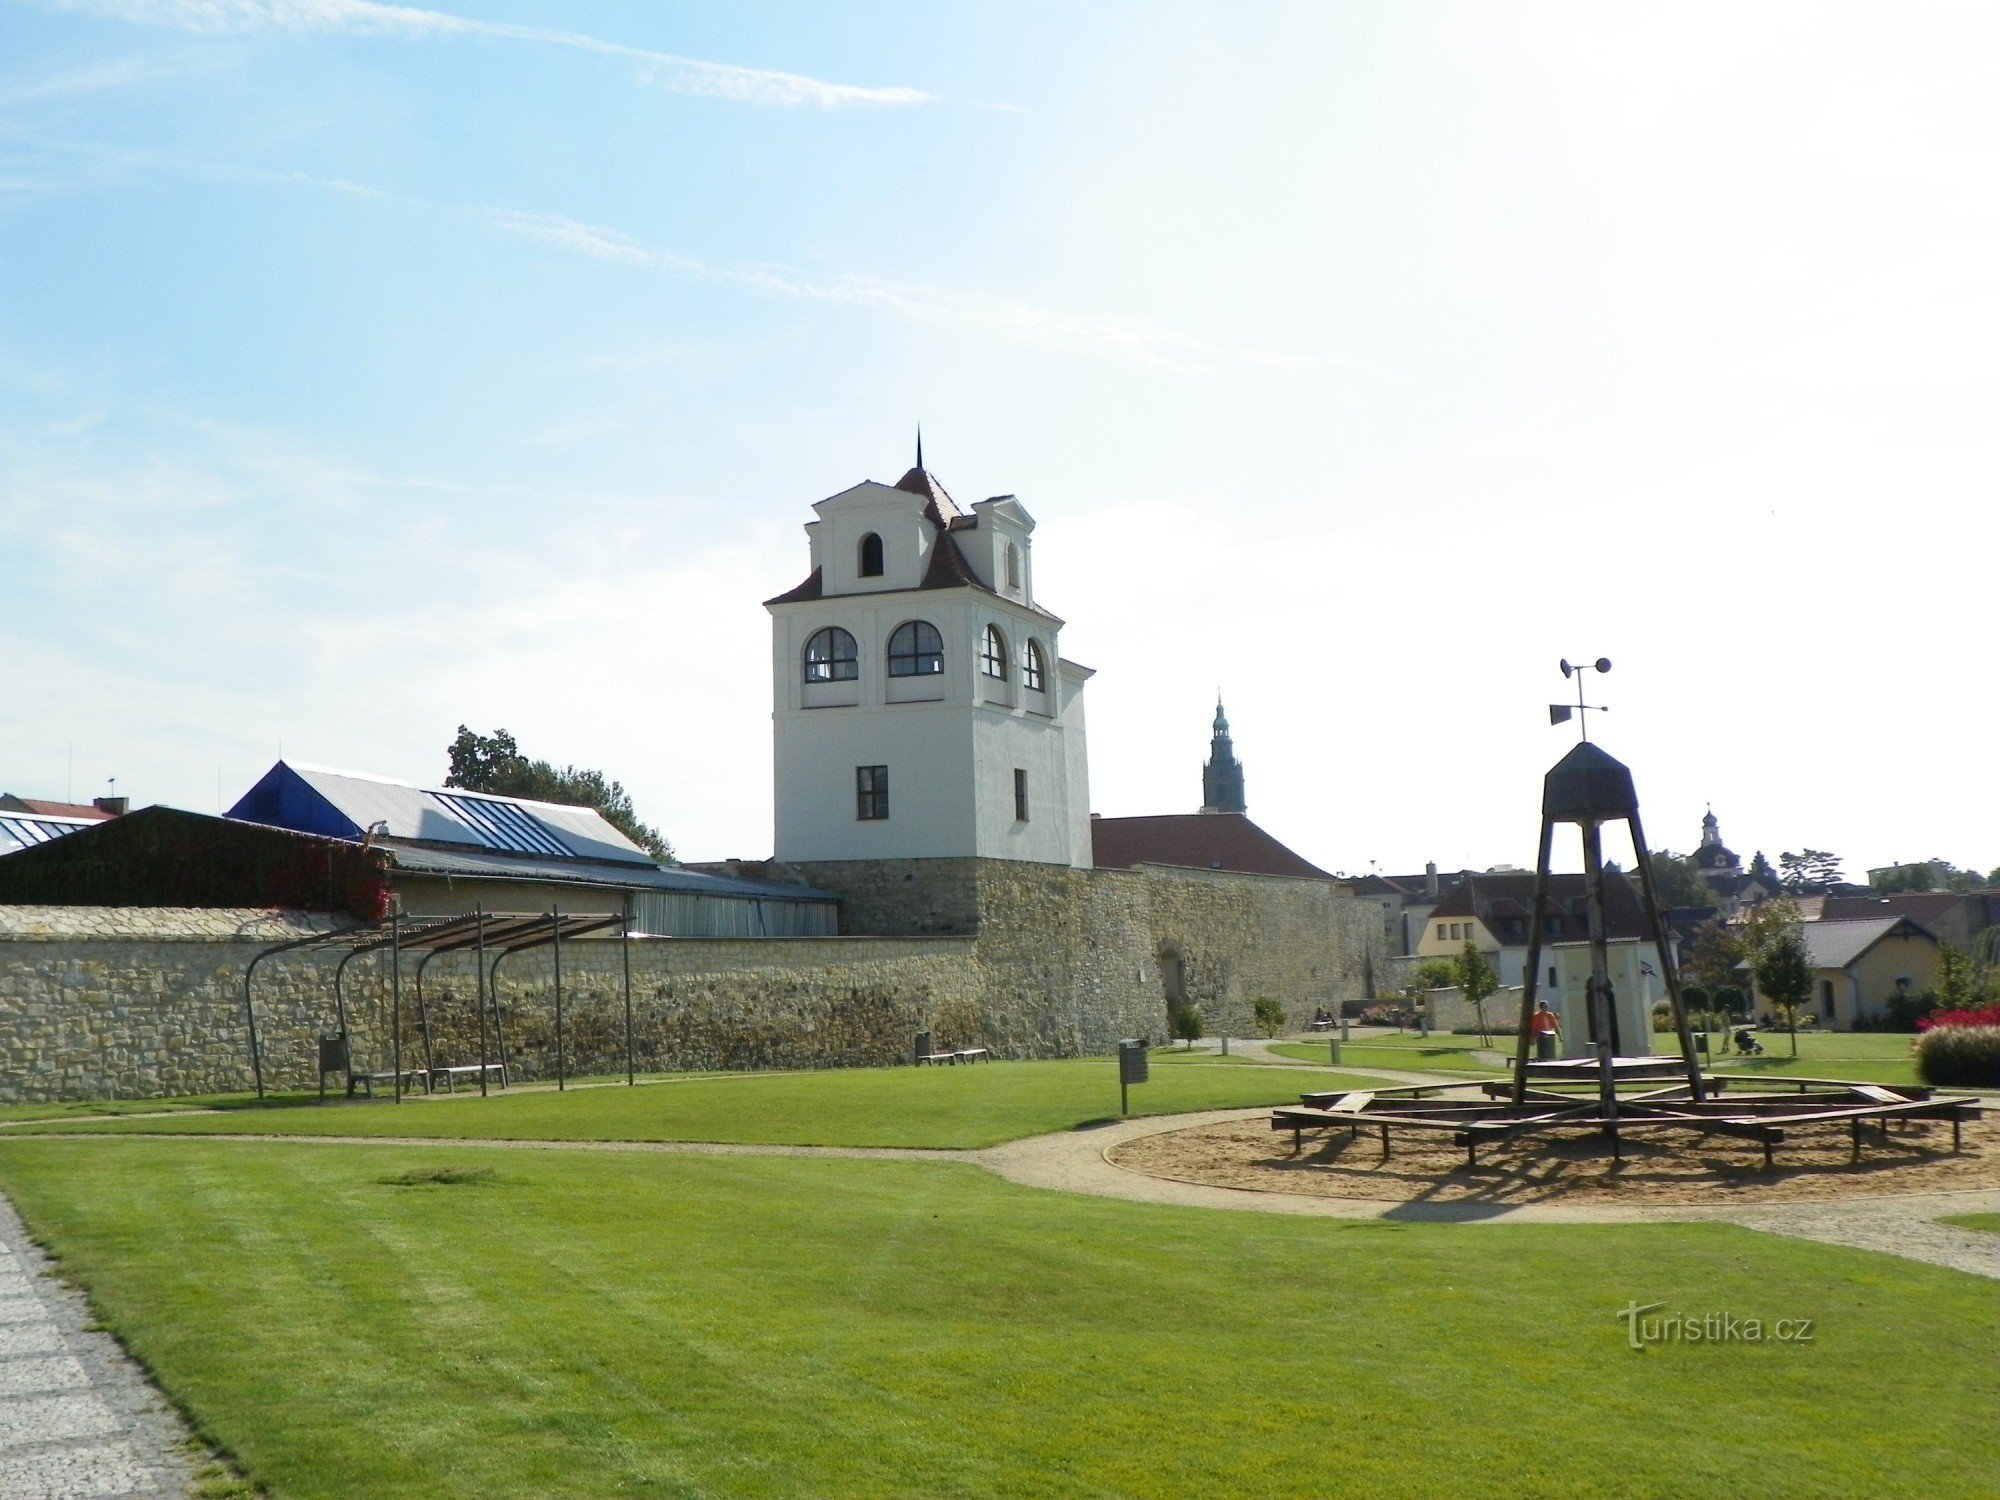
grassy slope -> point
(1990, 1223)
(592, 1325)
(961, 1107)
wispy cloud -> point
(664, 70)
(1131, 340)
(94, 78)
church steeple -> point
(1222, 777)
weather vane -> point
(1559, 713)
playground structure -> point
(1606, 1094)
(489, 938)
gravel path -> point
(77, 1417)
(1903, 1224)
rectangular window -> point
(1020, 796)
(871, 792)
(1440, 932)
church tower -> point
(1222, 777)
(1712, 857)
(921, 708)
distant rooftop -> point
(1196, 841)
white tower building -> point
(921, 707)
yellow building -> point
(1859, 966)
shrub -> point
(1663, 1015)
(1983, 1015)
(1960, 1056)
(1902, 1011)
(1268, 1014)
(1187, 1025)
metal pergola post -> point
(625, 955)
(424, 1017)
(396, 1000)
(555, 936)
(479, 993)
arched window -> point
(916, 650)
(993, 653)
(871, 556)
(831, 656)
(1013, 566)
(1034, 668)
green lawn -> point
(1990, 1223)
(574, 1324)
(1438, 1053)
(962, 1107)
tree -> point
(494, 763)
(1476, 980)
(1434, 974)
(1900, 878)
(1813, 870)
(1784, 969)
(1761, 872)
(1676, 882)
(1713, 956)
(1960, 982)
(1269, 1015)
(1187, 1025)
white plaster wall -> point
(892, 514)
(951, 741)
(1632, 992)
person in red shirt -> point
(1548, 1029)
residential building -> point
(1492, 912)
(1858, 966)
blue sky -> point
(369, 369)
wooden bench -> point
(451, 1075)
(972, 1055)
(937, 1059)
(410, 1077)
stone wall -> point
(146, 1002)
(1026, 960)
(1083, 955)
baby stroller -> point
(1747, 1044)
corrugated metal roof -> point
(474, 864)
(444, 815)
(24, 830)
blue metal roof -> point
(343, 805)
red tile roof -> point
(1198, 841)
(1921, 907)
(810, 589)
(938, 505)
(81, 812)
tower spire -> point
(1222, 777)
(920, 446)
